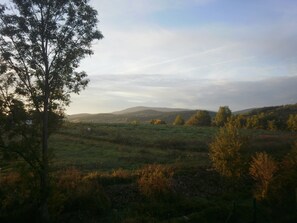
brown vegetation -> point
(262, 169)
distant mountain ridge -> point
(143, 108)
(146, 114)
(141, 114)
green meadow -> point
(110, 146)
(146, 173)
(106, 147)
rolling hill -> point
(146, 114)
(140, 114)
(143, 108)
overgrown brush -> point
(75, 194)
(155, 180)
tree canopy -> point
(201, 118)
(179, 120)
(42, 43)
(222, 116)
(225, 151)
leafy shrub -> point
(73, 193)
(222, 116)
(18, 197)
(155, 180)
(239, 121)
(115, 177)
(262, 169)
(135, 122)
(157, 122)
(292, 122)
(179, 120)
(201, 118)
(224, 151)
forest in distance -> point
(273, 117)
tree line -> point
(268, 121)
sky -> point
(194, 54)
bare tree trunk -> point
(44, 177)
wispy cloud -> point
(175, 59)
(218, 58)
(195, 94)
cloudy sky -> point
(197, 54)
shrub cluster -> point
(157, 122)
(155, 180)
(72, 193)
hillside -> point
(146, 114)
(281, 110)
(140, 114)
(143, 108)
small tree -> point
(224, 151)
(292, 122)
(262, 169)
(179, 120)
(222, 116)
(239, 121)
(201, 118)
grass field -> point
(111, 146)
(100, 173)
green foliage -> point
(224, 151)
(222, 116)
(41, 46)
(259, 121)
(292, 122)
(179, 120)
(239, 121)
(280, 114)
(271, 125)
(262, 169)
(104, 185)
(201, 118)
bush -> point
(292, 122)
(157, 122)
(179, 120)
(18, 197)
(224, 151)
(201, 118)
(262, 169)
(222, 116)
(117, 176)
(155, 180)
(73, 193)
